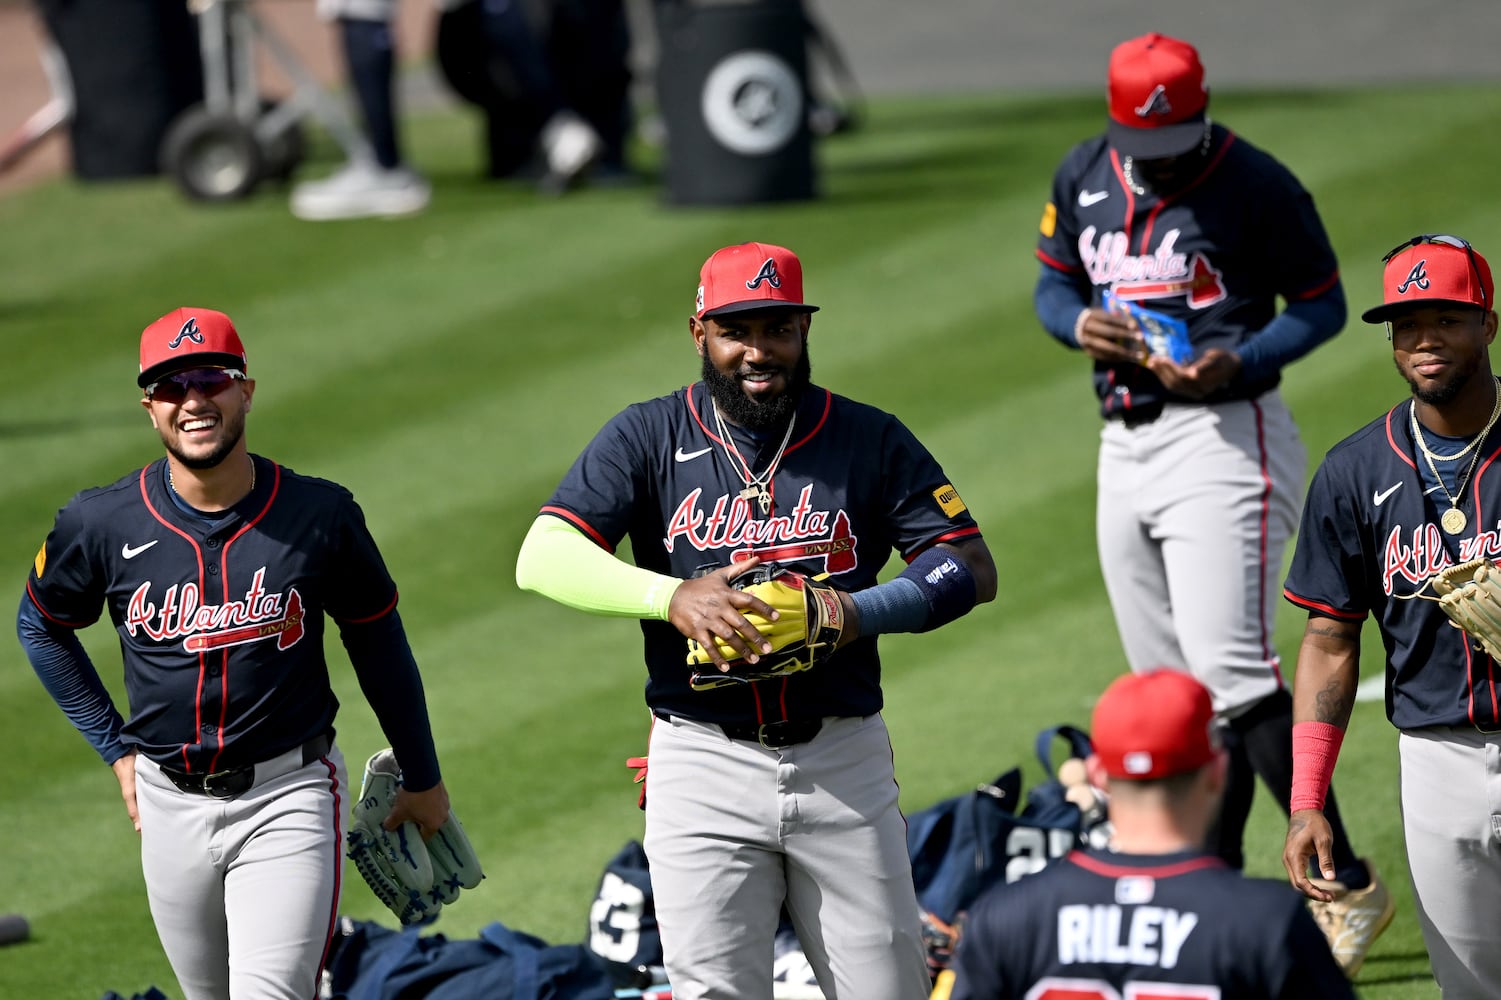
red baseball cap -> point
(189, 338)
(1154, 725)
(1157, 97)
(748, 277)
(1433, 270)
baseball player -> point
(1164, 248)
(777, 791)
(219, 569)
(1155, 915)
(1410, 494)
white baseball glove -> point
(413, 879)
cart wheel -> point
(212, 157)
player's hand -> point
(1212, 370)
(125, 774)
(707, 606)
(428, 809)
(1113, 339)
(1308, 836)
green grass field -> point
(447, 368)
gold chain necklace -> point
(756, 487)
(1453, 519)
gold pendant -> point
(1453, 520)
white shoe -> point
(360, 190)
(570, 147)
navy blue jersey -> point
(1102, 926)
(220, 623)
(1216, 255)
(1370, 540)
(853, 485)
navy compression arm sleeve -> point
(383, 661)
(1298, 329)
(69, 676)
(1058, 300)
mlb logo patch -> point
(1135, 889)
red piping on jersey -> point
(337, 864)
(202, 655)
(956, 534)
(1146, 232)
(224, 581)
(1316, 290)
(1120, 177)
(828, 404)
(52, 618)
(370, 618)
(1112, 870)
(1323, 609)
(1401, 452)
(578, 523)
(1057, 264)
(756, 697)
(1267, 653)
(1490, 664)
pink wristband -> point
(1315, 749)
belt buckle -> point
(767, 739)
(232, 783)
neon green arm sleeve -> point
(559, 561)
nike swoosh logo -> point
(688, 456)
(1380, 498)
(1087, 198)
(130, 552)
(1432, 489)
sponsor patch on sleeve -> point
(948, 500)
(1049, 223)
(41, 560)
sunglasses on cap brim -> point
(174, 388)
(1446, 240)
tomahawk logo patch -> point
(189, 331)
(1417, 276)
(1155, 104)
(768, 274)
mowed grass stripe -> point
(449, 367)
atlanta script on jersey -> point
(1103, 926)
(1216, 255)
(220, 621)
(853, 485)
(1370, 540)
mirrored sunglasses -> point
(1444, 239)
(174, 388)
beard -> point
(758, 414)
(234, 429)
(1448, 390)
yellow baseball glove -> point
(808, 626)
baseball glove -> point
(1470, 594)
(809, 623)
(413, 879)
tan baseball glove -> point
(1470, 594)
(809, 623)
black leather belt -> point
(1138, 415)
(775, 735)
(238, 780)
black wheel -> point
(212, 157)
